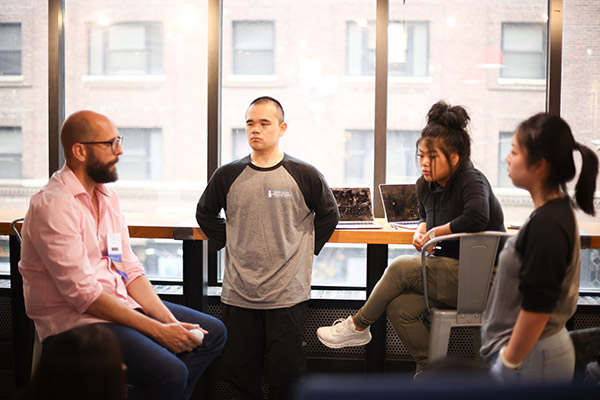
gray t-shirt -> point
(538, 271)
(276, 220)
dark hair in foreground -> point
(82, 363)
(447, 126)
(549, 137)
(277, 104)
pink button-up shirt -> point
(64, 260)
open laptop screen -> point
(400, 202)
(354, 204)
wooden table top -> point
(184, 226)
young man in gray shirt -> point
(279, 212)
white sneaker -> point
(343, 333)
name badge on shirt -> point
(113, 242)
(279, 194)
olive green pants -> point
(399, 292)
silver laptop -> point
(401, 205)
(356, 208)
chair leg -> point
(439, 337)
(37, 352)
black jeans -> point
(272, 337)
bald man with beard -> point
(78, 268)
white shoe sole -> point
(349, 343)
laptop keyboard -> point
(405, 224)
(358, 225)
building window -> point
(401, 164)
(401, 156)
(408, 53)
(358, 157)
(142, 154)
(340, 265)
(524, 50)
(132, 48)
(10, 49)
(253, 47)
(504, 147)
(239, 143)
(11, 152)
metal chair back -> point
(13, 226)
(478, 253)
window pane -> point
(524, 49)
(10, 49)
(407, 47)
(253, 62)
(504, 147)
(523, 66)
(253, 35)
(11, 153)
(127, 37)
(162, 258)
(590, 270)
(121, 62)
(469, 47)
(239, 141)
(580, 100)
(340, 264)
(128, 48)
(4, 255)
(23, 102)
(523, 37)
(360, 56)
(253, 47)
(401, 156)
(114, 58)
(358, 165)
(141, 158)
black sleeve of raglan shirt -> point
(546, 247)
(214, 199)
(318, 197)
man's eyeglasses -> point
(114, 144)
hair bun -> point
(441, 113)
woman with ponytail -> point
(537, 283)
(454, 197)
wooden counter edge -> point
(366, 236)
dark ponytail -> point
(549, 137)
(586, 184)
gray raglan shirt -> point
(276, 219)
(538, 271)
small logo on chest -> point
(279, 194)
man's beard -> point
(101, 173)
